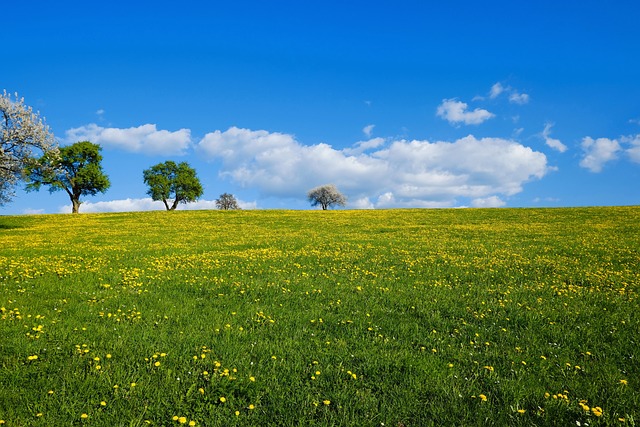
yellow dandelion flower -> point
(482, 397)
(623, 382)
(175, 418)
(182, 420)
(133, 384)
(205, 373)
(201, 390)
(50, 392)
(237, 413)
(522, 411)
(108, 356)
(84, 416)
(156, 364)
(252, 407)
(597, 411)
(192, 423)
(252, 379)
(223, 399)
(326, 402)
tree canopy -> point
(76, 169)
(227, 202)
(169, 180)
(326, 196)
(23, 134)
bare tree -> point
(326, 196)
(227, 202)
(23, 134)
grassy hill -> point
(361, 318)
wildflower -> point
(108, 356)
(237, 413)
(522, 411)
(156, 364)
(34, 357)
(623, 382)
(182, 420)
(223, 399)
(326, 402)
(175, 418)
(50, 392)
(103, 403)
(201, 390)
(192, 423)
(251, 407)
(252, 379)
(84, 416)
(133, 385)
(597, 411)
(482, 397)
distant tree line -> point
(29, 153)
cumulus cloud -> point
(488, 202)
(362, 146)
(401, 173)
(455, 112)
(556, 144)
(633, 152)
(597, 152)
(146, 204)
(145, 139)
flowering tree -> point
(227, 202)
(23, 134)
(326, 196)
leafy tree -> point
(169, 180)
(76, 169)
(326, 196)
(22, 132)
(227, 202)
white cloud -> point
(556, 144)
(634, 151)
(30, 211)
(597, 152)
(146, 139)
(488, 202)
(496, 90)
(368, 130)
(404, 173)
(515, 97)
(146, 204)
(362, 146)
(518, 98)
(455, 112)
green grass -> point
(411, 317)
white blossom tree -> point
(23, 135)
(326, 196)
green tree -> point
(22, 134)
(76, 169)
(169, 180)
(227, 202)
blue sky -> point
(400, 104)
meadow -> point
(519, 317)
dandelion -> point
(108, 356)
(522, 411)
(156, 364)
(103, 403)
(326, 402)
(252, 379)
(133, 385)
(623, 382)
(50, 392)
(84, 416)
(237, 413)
(223, 399)
(192, 423)
(597, 411)
(175, 418)
(182, 420)
(482, 397)
(34, 357)
(251, 407)
(201, 390)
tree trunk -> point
(76, 206)
(166, 205)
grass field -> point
(514, 317)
